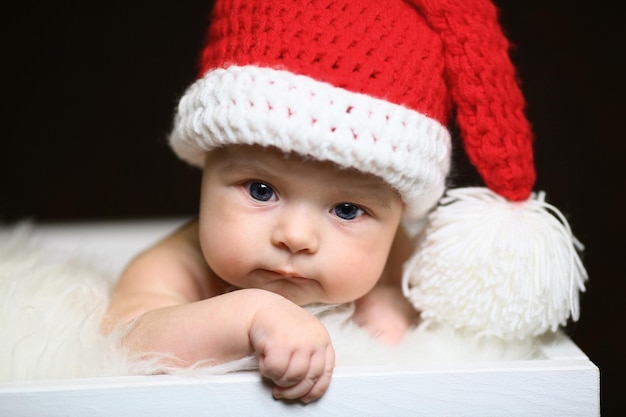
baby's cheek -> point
(361, 273)
(219, 249)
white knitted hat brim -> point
(295, 113)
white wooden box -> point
(565, 384)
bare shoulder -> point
(170, 272)
(172, 265)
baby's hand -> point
(295, 351)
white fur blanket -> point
(52, 300)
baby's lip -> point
(286, 273)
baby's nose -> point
(297, 230)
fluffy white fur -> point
(51, 304)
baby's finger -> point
(298, 368)
(316, 380)
(321, 385)
(274, 363)
(285, 369)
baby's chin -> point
(305, 300)
(305, 293)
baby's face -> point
(304, 229)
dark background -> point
(92, 88)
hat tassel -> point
(483, 263)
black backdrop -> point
(92, 87)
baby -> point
(320, 127)
(275, 232)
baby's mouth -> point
(291, 275)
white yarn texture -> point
(494, 267)
(263, 106)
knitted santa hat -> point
(372, 85)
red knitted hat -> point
(370, 85)
(365, 84)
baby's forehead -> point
(279, 162)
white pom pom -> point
(495, 267)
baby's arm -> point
(166, 303)
(384, 311)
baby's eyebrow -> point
(247, 167)
(367, 193)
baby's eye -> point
(260, 191)
(347, 211)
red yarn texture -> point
(489, 103)
(380, 48)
